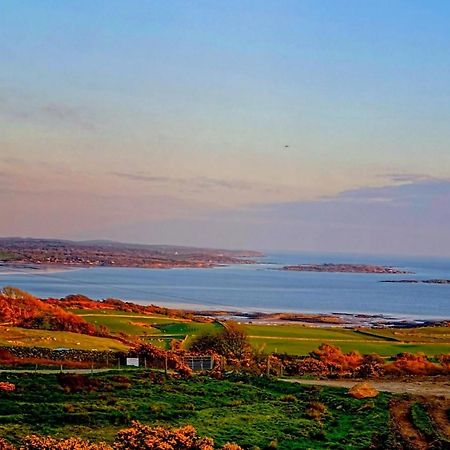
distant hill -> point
(19, 251)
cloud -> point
(25, 108)
(403, 177)
(196, 183)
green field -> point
(251, 412)
(10, 336)
(282, 338)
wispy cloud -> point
(197, 182)
(26, 108)
(402, 177)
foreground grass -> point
(251, 412)
(11, 336)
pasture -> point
(293, 339)
(12, 336)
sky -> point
(289, 125)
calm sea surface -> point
(259, 287)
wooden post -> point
(145, 362)
(268, 366)
(166, 364)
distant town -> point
(19, 252)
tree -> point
(231, 342)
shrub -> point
(7, 387)
(77, 382)
(143, 437)
(48, 443)
(5, 445)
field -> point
(252, 412)
(10, 336)
(282, 338)
(157, 329)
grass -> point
(303, 332)
(10, 336)
(251, 411)
(284, 338)
(383, 349)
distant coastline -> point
(33, 254)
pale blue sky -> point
(151, 120)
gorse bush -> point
(137, 437)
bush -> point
(143, 437)
(48, 443)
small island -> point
(345, 268)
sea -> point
(260, 286)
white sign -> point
(133, 362)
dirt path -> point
(438, 412)
(400, 413)
(424, 388)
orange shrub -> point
(48, 443)
(143, 437)
(7, 387)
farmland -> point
(282, 338)
(13, 336)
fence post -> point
(268, 366)
(166, 363)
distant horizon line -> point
(218, 247)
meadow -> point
(280, 338)
(14, 336)
(253, 412)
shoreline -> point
(307, 318)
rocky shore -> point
(435, 281)
(345, 268)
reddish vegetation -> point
(18, 308)
(137, 437)
(81, 302)
(143, 437)
(7, 387)
(329, 361)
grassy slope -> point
(56, 339)
(251, 413)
